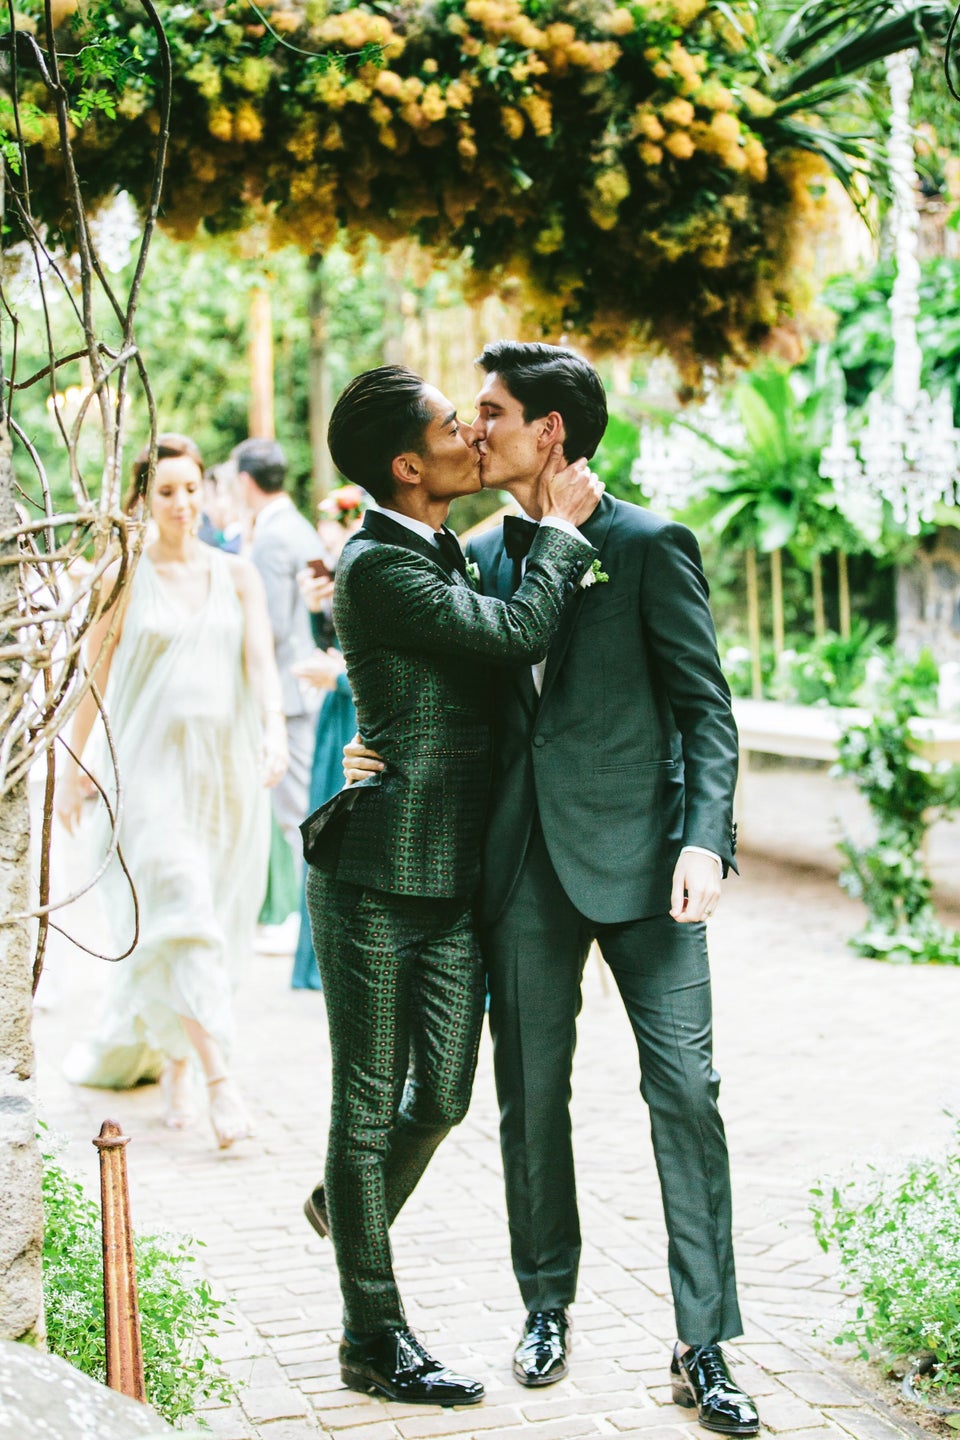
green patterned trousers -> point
(403, 983)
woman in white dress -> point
(195, 707)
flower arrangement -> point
(616, 161)
(343, 505)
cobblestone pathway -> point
(826, 1060)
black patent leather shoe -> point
(701, 1380)
(541, 1356)
(395, 1364)
(315, 1209)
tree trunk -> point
(753, 622)
(262, 422)
(843, 590)
(819, 615)
(323, 473)
(776, 600)
(21, 1206)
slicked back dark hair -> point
(548, 377)
(265, 463)
(379, 415)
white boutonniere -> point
(594, 576)
(473, 574)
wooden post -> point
(319, 399)
(262, 422)
(121, 1314)
(753, 622)
(776, 600)
(819, 616)
(843, 589)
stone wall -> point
(928, 598)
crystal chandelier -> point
(675, 464)
(907, 451)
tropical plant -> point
(830, 669)
(770, 493)
(766, 492)
(906, 792)
(178, 1311)
(646, 171)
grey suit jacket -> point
(283, 542)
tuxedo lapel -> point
(390, 532)
(595, 530)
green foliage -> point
(830, 669)
(898, 1240)
(613, 461)
(905, 792)
(178, 1312)
(192, 326)
(769, 491)
(863, 343)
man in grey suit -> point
(283, 542)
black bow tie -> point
(518, 536)
(449, 547)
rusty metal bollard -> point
(121, 1313)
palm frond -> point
(861, 46)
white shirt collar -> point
(273, 507)
(419, 527)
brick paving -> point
(827, 1060)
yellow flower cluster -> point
(355, 28)
(631, 133)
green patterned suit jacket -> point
(419, 644)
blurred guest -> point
(283, 544)
(220, 523)
(193, 699)
(341, 513)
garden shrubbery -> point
(178, 1312)
(898, 1240)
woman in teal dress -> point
(341, 513)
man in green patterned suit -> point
(395, 861)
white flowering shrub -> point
(898, 1240)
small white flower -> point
(473, 571)
(594, 576)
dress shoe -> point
(700, 1379)
(395, 1364)
(315, 1209)
(541, 1356)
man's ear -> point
(551, 430)
(405, 468)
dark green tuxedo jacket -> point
(419, 642)
(631, 750)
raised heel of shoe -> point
(682, 1396)
(355, 1381)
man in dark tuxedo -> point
(615, 760)
(395, 862)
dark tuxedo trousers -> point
(394, 865)
(628, 754)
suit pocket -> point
(638, 767)
(599, 610)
